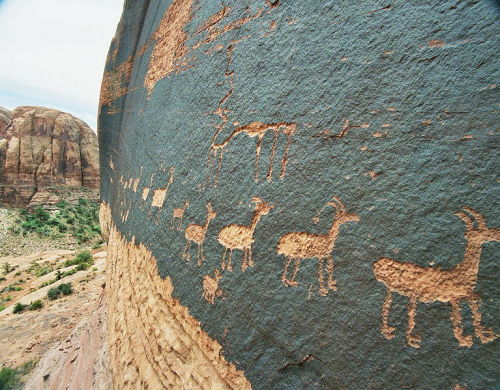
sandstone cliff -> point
(302, 194)
(42, 149)
(5, 117)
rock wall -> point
(301, 195)
(5, 117)
(43, 148)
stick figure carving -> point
(302, 245)
(178, 214)
(253, 129)
(241, 236)
(196, 234)
(433, 284)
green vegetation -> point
(83, 257)
(19, 308)
(35, 305)
(11, 287)
(83, 261)
(39, 270)
(7, 268)
(62, 289)
(2, 307)
(10, 378)
(80, 221)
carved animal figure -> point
(253, 129)
(211, 288)
(178, 214)
(241, 236)
(433, 284)
(302, 245)
(196, 233)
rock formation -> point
(44, 149)
(5, 117)
(334, 164)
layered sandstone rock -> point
(301, 195)
(5, 117)
(42, 149)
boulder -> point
(45, 150)
(302, 195)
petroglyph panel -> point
(321, 150)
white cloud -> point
(54, 51)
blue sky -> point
(53, 53)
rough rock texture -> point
(302, 195)
(44, 148)
(81, 361)
(5, 117)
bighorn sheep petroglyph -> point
(241, 236)
(432, 284)
(197, 233)
(302, 245)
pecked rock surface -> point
(302, 195)
(43, 149)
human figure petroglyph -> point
(303, 245)
(211, 288)
(197, 233)
(178, 215)
(253, 130)
(433, 284)
(241, 236)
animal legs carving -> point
(185, 254)
(201, 257)
(288, 260)
(387, 330)
(290, 282)
(229, 265)
(332, 285)
(486, 335)
(223, 262)
(250, 260)
(322, 289)
(456, 319)
(412, 339)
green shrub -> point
(7, 268)
(53, 293)
(9, 379)
(83, 260)
(65, 288)
(19, 308)
(81, 221)
(2, 307)
(35, 305)
(46, 283)
(11, 287)
(43, 271)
